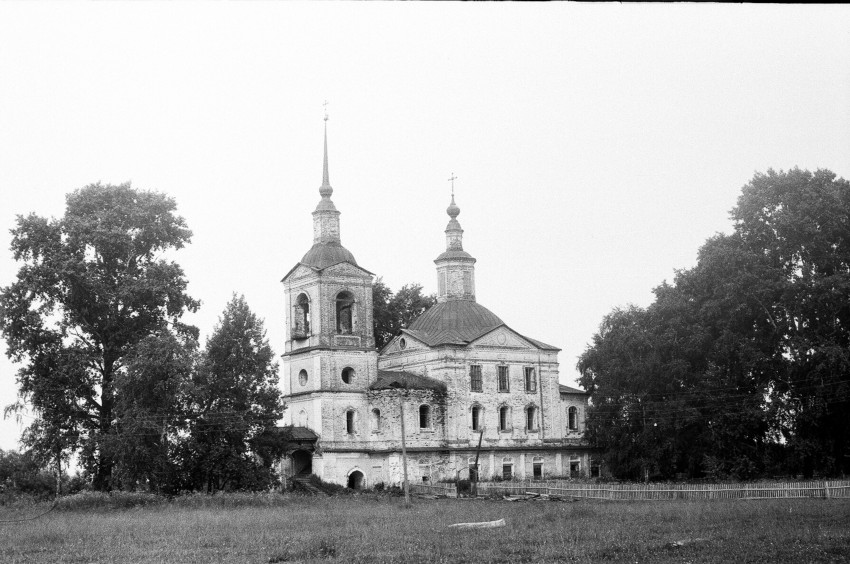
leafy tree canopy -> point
(235, 404)
(93, 285)
(741, 365)
(394, 311)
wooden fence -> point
(449, 490)
(640, 492)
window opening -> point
(349, 422)
(530, 380)
(504, 418)
(376, 420)
(302, 317)
(537, 470)
(573, 418)
(348, 375)
(507, 471)
(530, 416)
(424, 416)
(575, 467)
(475, 380)
(302, 377)
(344, 316)
(476, 418)
(503, 379)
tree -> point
(743, 356)
(93, 285)
(151, 412)
(394, 311)
(235, 404)
(798, 224)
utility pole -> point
(403, 452)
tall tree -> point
(394, 311)
(748, 351)
(798, 224)
(235, 406)
(93, 285)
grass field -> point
(371, 528)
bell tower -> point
(330, 345)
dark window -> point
(349, 422)
(530, 380)
(503, 379)
(344, 315)
(376, 420)
(504, 418)
(302, 317)
(575, 467)
(475, 382)
(573, 418)
(348, 375)
(538, 470)
(530, 416)
(424, 416)
(507, 471)
(302, 377)
(476, 418)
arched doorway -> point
(355, 480)
(302, 462)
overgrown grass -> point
(271, 527)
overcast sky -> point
(596, 146)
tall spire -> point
(326, 216)
(325, 190)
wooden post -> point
(477, 453)
(404, 453)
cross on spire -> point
(326, 110)
(452, 180)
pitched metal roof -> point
(388, 379)
(454, 322)
(568, 390)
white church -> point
(464, 381)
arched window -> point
(572, 414)
(424, 416)
(504, 418)
(530, 418)
(348, 375)
(476, 418)
(302, 317)
(376, 420)
(344, 313)
(303, 377)
(350, 422)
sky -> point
(596, 147)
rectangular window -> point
(538, 470)
(530, 380)
(503, 379)
(349, 422)
(475, 381)
(575, 468)
(507, 471)
(476, 418)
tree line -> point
(741, 366)
(113, 374)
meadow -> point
(269, 528)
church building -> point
(459, 380)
